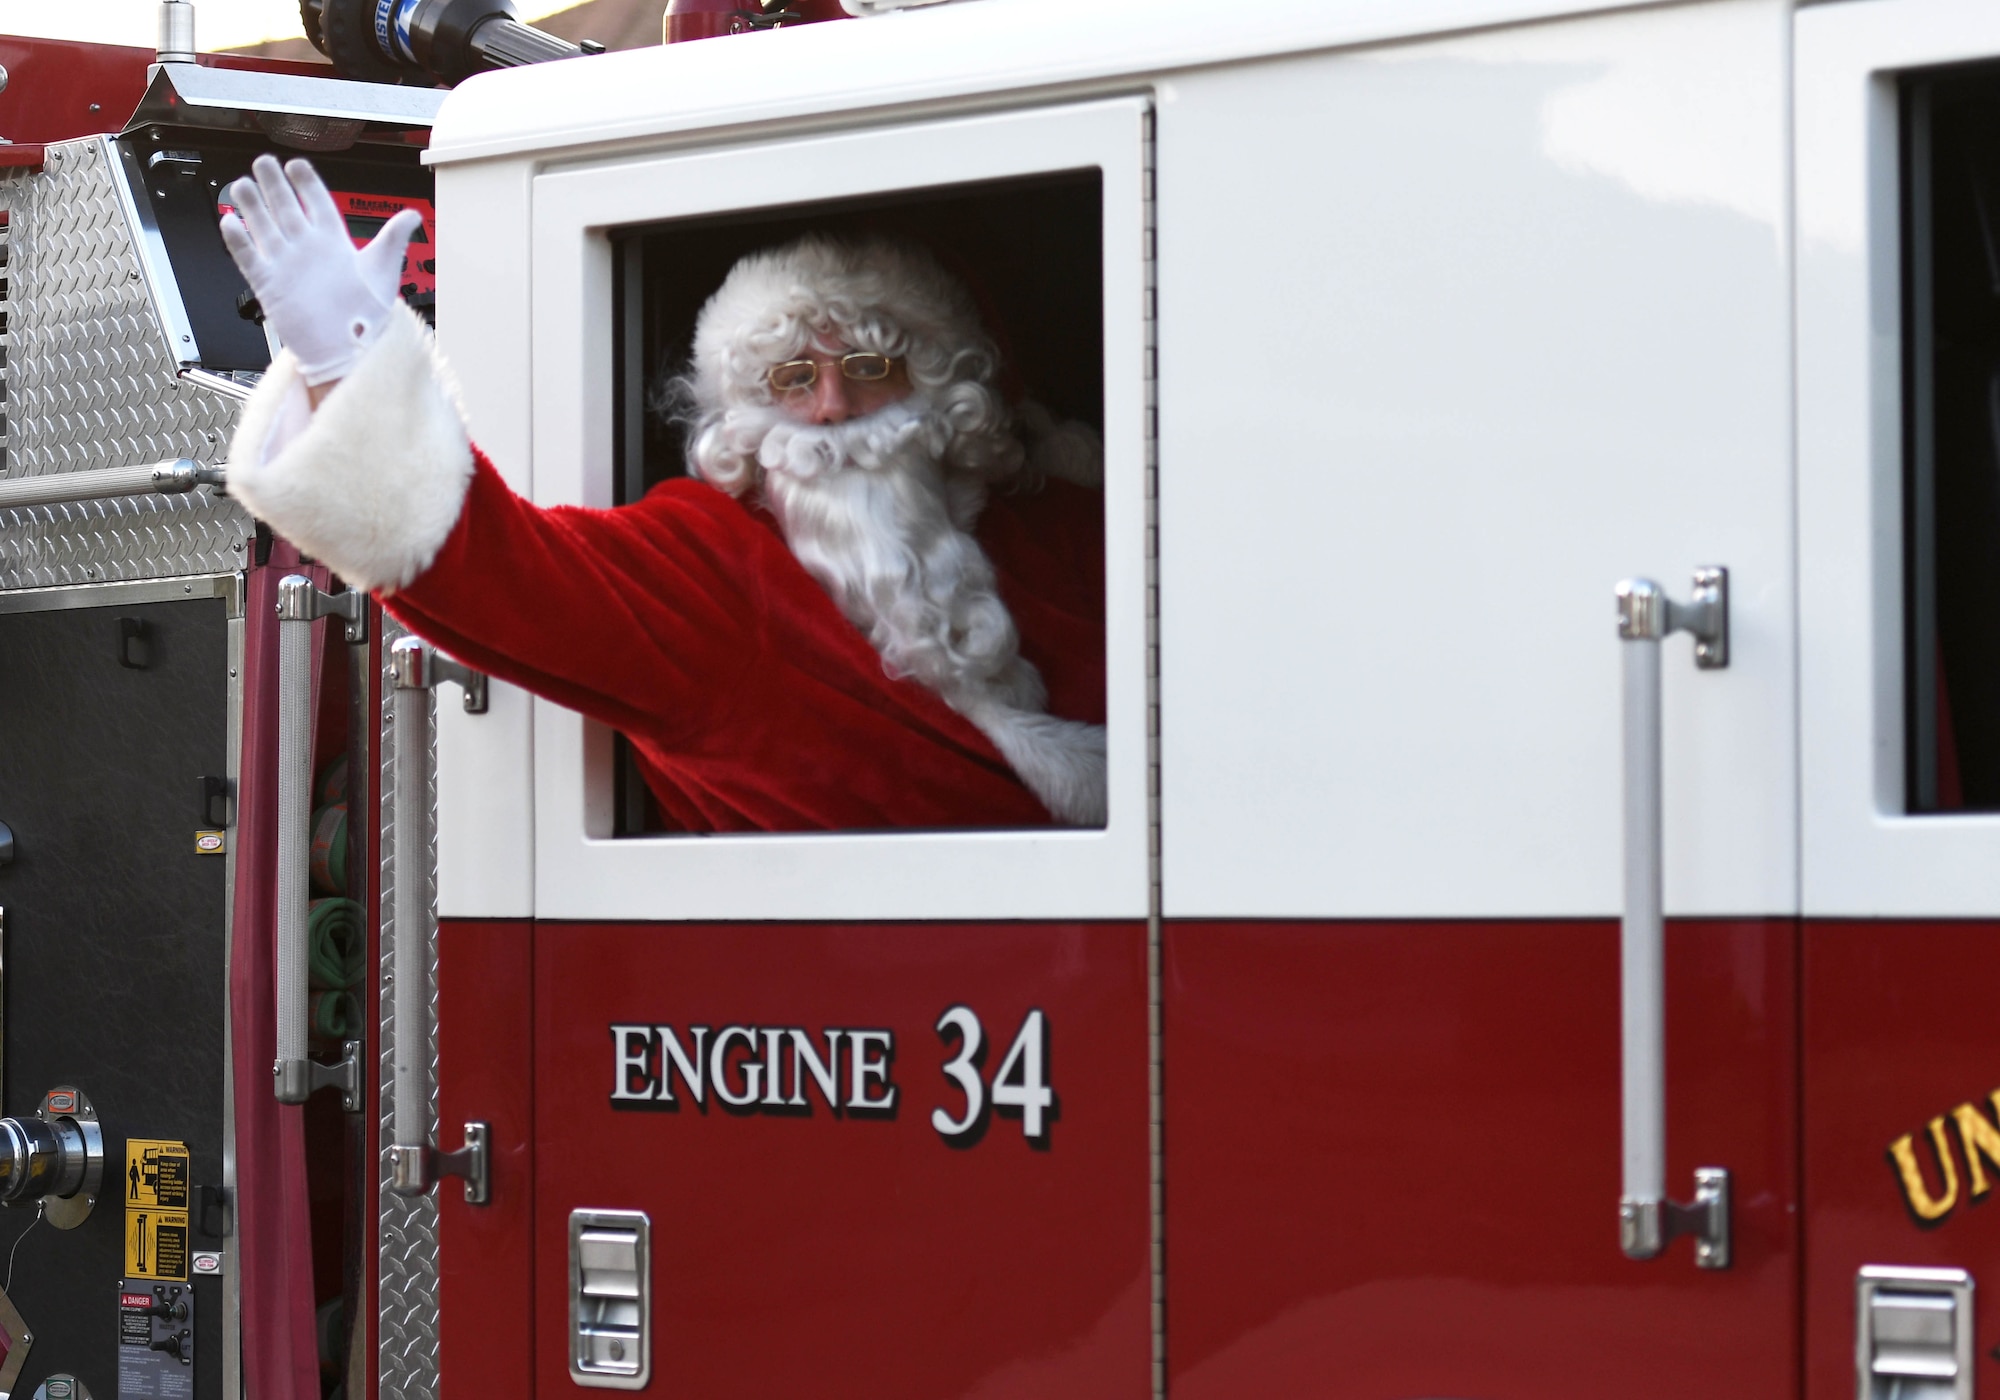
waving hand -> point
(326, 299)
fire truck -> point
(1545, 936)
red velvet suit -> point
(684, 622)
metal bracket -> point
(415, 664)
(183, 474)
(1646, 613)
(414, 1170)
(299, 1080)
(409, 1169)
(68, 1104)
(300, 601)
(471, 1163)
(1645, 1228)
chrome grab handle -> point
(171, 478)
(414, 1165)
(295, 1077)
(1647, 1220)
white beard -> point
(871, 513)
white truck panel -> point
(1453, 336)
(1009, 50)
(485, 763)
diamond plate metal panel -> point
(408, 1315)
(89, 384)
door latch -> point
(1913, 1334)
(610, 1299)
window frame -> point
(581, 870)
(1864, 852)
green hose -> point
(335, 1015)
(336, 945)
(329, 849)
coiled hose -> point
(336, 950)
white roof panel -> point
(941, 53)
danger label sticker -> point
(156, 1244)
(155, 1341)
(156, 1174)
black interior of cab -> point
(1951, 479)
(1029, 250)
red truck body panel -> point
(1392, 1161)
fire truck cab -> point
(1462, 935)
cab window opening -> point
(1028, 253)
(1951, 475)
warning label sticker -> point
(155, 1342)
(135, 1325)
(156, 1174)
(156, 1244)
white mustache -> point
(871, 442)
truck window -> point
(1951, 485)
(1029, 253)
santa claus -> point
(868, 606)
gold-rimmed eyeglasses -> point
(803, 374)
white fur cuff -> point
(371, 483)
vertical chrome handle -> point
(414, 1165)
(1647, 1219)
(1641, 942)
(294, 1076)
(294, 830)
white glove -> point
(326, 299)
